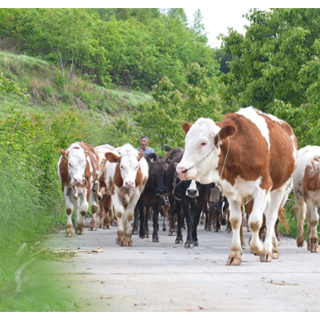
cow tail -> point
(282, 218)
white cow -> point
(126, 177)
(306, 185)
(78, 169)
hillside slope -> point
(50, 92)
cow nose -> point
(192, 192)
(129, 184)
(78, 181)
(162, 191)
(182, 172)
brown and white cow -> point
(126, 177)
(106, 217)
(306, 184)
(78, 169)
(252, 156)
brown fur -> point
(243, 145)
(311, 179)
(63, 168)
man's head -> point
(143, 142)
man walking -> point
(144, 145)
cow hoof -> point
(189, 244)
(93, 227)
(79, 232)
(164, 229)
(155, 240)
(266, 256)
(300, 242)
(135, 231)
(179, 241)
(275, 255)
(68, 233)
(234, 258)
(172, 233)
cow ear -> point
(227, 131)
(64, 154)
(186, 127)
(111, 157)
(140, 155)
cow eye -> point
(203, 144)
(70, 165)
(122, 167)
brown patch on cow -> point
(64, 153)
(130, 217)
(235, 222)
(249, 157)
(83, 213)
(112, 158)
(254, 226)
(139, 177)
(186, 127)
(227, 131)
(282, 218)
(94, 209)
(311, 179)
(140, 155)
(118, 181)
(119, 215)
(69, 211)
(281, 151)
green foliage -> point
(162, 119)
(275, 68)
(131, 47)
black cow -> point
(186, 200)
(152, 197)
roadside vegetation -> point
(111, 75)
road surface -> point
(165, 276)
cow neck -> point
(224, 164)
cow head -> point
(77, 163)
(127, 169)
(202, 150)
(157, 177)
(192, 190)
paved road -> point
(167, 277)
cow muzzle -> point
(161, 192)
(192, 193)
(78, 182)
(182, 173)
(129, 184)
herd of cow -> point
(249, 159)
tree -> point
(161, 120)
(275, 67)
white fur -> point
(251, 114)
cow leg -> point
(135, 227)
(196, 219)
(108, 212)
(312, 219)
(255, 221)
(271, 250)
(155, 218)
(83, 209)
(142, 217)
(102, 212)
(94, 209)
(234, 258)
(301, 215)
(119, 213)
(128, 217)
(185, 206)
(70, 208)
(172, 230)
(180, 216)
